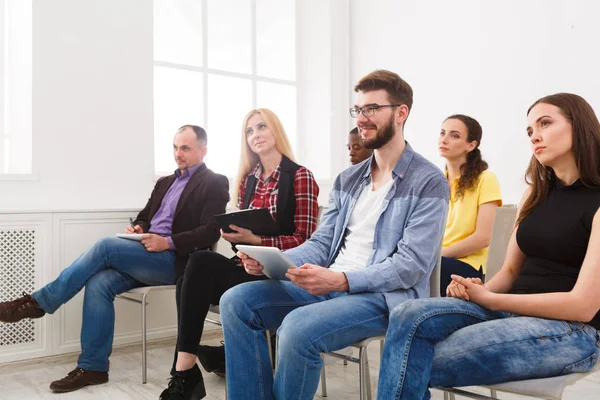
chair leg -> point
(367, 375)
(446, 397)
(323, 379)
(362, 372)
(144, 377)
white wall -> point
(323, 97)
(489, 60)
(92, 107)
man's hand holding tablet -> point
(251, 266)
(318, 280)
(313, 278)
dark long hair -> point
(470, 171)
(586, 149)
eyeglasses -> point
(369, 110)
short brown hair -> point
(398, 90)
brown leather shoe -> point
(23, 307)
(77, 379)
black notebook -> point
(258, 220)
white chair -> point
(362, 360)
(139, 295)
(504, 222)
(142, 293)
(135, 298)
(546, 388)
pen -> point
(131, 222)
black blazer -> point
(194, 226)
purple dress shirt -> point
(162, 222)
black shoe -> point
(212, 359)
(185, 385)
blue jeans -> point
(445, 342)
(111, 266)
(308, 326)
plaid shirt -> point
(306, 192)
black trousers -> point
(207, 276)
(453, 266)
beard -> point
(382, 136)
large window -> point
(214, 60)
(15, 87)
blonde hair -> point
(248, 158)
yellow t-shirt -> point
(462, 214)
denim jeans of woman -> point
(446, 342)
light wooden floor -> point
(29, 380)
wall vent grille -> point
(17, 276)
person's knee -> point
(409, 310)
(108, 241)
(106, 244)
(241, 302)
(201, 258)
(201, 263)
(102, 284)
(295, 336)
(231, 302)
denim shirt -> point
(408, 234)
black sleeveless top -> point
(554, 237)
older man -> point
(177, 221)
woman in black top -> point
(538, 317)
(268, 178)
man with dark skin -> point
(356, 149)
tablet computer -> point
(275, 263)
(131, 236)
(258, 220)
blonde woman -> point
(268, 178)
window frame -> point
(253, 77)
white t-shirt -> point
(360, 232)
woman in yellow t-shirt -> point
(474, 197)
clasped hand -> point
(470, 289)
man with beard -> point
(356, 148)
(375, 247)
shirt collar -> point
(188, 171)
(257, 172)
(401, 166)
